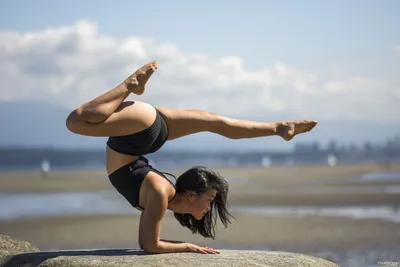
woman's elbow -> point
(150, 246)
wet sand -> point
(312, 232)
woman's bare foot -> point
(288, 129)
(136, 83)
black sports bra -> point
(129, 178)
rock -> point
(133, 258)
(24, 254)
(10, 247)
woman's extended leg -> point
(108, 115)
(185, 122)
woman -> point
(136, 129)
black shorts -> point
(144, 142)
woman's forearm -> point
(167, 247)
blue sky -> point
(342, 55)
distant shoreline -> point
(31, 159)
(362, 167)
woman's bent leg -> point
(108, 115)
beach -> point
(348, 214)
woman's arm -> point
(150, 224)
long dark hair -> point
(200, 180)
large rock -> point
(132, 258)
(10, 247)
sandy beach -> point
(339, 238)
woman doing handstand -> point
(135, 129)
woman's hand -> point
(200, 249)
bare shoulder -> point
(159, 186)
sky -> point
(330, 61)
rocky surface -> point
(10, 247)
(22, 253)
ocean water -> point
(19, 206)
(385, 213)
(387, 176)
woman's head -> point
(205, 195)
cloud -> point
(73, 64)
(397, 49)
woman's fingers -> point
(206, 250)
(211, 250)
(203, 251)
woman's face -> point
(199, 204)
